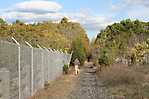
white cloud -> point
(134, 9)
(137, 2)
(115, 8)
(89, 21)
(34, 10)
(31, 17)
(137, 9)
(141, 13)
(38, 6)
(128, 5)
(41, 10)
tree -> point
(78, 51)
(50, 34)
(64, 20)
(18, 22)
(120, 37)
(2, 21)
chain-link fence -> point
(29, 68)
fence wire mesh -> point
(9, 60)
(25, 61)
(30, 68)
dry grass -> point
(58, 89)
(117, 75)
(127, 82)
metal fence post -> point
(54, 61)
(51, 63)
(19, 68)
(70, 58)
(32, 68)
(42, 57)
(46, 49)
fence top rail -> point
(6, 42)
(28, 45)
(15, 41)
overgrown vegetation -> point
(127, 82)
(119, 75)
(104, 58)
(125, 41)
(120, 38)
(78, 51)
(65, 68)
(60, 36)
(139, 53)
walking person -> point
(76, 63)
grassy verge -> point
(60, 88)
(124, 82)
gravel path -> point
(88, 85)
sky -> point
(93, 15)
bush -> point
(78, 51)
(118, 75)
(105, 57)
(104, 60)
(65, 68)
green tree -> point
(49, 34)
(105, 57)
(120, 37)
(18, 22)
(2, 21)
(78, 51)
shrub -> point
(65, 68)
(105, 57)
(103, 60)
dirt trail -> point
(83, 86)
(61, 88)
(88, 85)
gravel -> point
(88, 85)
